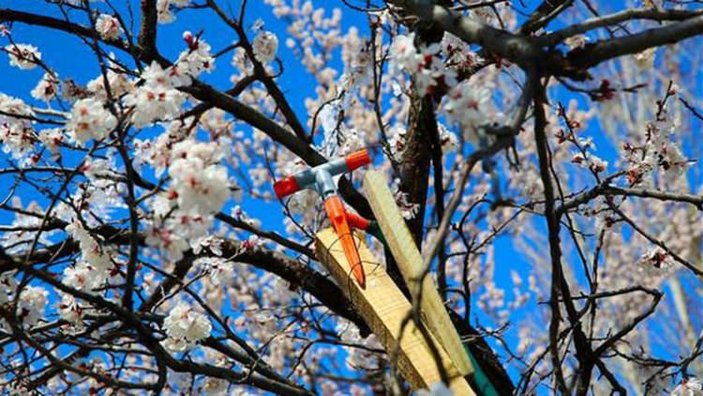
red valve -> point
(356, 221)
(357, 159)
(286, 186)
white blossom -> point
(265, 46)
(157, 98)
(51, 139)
(424, 64)
(184, 328)
(194, 60)
(645, 59)
(215, 386)
(89, 119)
(8, 285)
(576, 41)
(83, 277)
(47, 88)
(16, 133)
(108, 27)
(91, 250)
(23, 56)
(468, 106)
(70, 310)
(200, 184)
(117, 82)
(30, 309)
(165, 13)
(688, 387)
(172, 244)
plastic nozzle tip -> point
(286, 186)
(358, 159)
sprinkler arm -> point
(320, 178)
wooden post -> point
(406, 254)
(384, 308)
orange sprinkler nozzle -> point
(338, 217)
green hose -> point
(375, 230)
(480, 382)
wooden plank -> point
(384, 307)
(410, 262)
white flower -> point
(108, 27)
(447, 139)
(163, 239)
(69, 310)
(16, 134)
(428, 70)
(590, 161)
(94, 169)
(213, 243)
(155, 75)
(184, 328)
(403, 51)
(468, 106)
(577, 41)
(215, 386)
(662, 152)
(265, 46)
(407, 210)
(157, 99)
(219, 270)
(645, 59)
(30, 309)
(656, 258)
(157, 153)
(360, 67)
(688, 387)
(52, 138)
(118, 83)
(200, 183)
(458, 52)
(83, 277)
(90, 120)
(47, 88)
(163, 11)
(91, 251)
(193, 61)
(8, 285)
(23, 56)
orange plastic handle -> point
(338, 218)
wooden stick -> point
(384, 308)
(402, 246)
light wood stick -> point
(384, 308)
(410, 262)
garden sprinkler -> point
(320, 179)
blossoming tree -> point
(142, 248)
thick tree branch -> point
(147, 28)
(600, 51)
